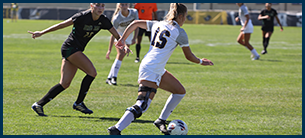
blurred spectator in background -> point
(14, 10)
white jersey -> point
(165, 38)
(121, 22)
(243, 11)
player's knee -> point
(92, 73)
(239, 41)
(136, 110)
(65, 85)
(142, 103)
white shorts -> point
(248, 29)
(145, 74)
(128, 40)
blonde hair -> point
(117, 9)
(175, 10)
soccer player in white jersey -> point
(122, 17)
(246, 30)
(166, 35)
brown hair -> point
(175, 10)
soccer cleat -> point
(113, 81)
(137, 60)
(256, 58)
(113, 131)
(264, 52)
(82, 107)
(161, 125)
(108, 81)
(38, 109)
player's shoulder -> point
(133, 11)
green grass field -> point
(236, 96)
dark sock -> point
(266, 42)
(84, 88)
(138, 48)
(53, 92)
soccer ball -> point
(177, 127)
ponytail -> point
(175, 10)
(117, 9)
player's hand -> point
(267, 17)
(242, 29)
(35, 34)
(127, 50)
(107, 54)
(236, 19)
(206, 62)
(120, 44)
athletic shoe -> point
(113, 131)
(38, 109)
(264, 52)
(108, 81)
(256, 58)
(113, 81)
(82, 107)
(161, 125)
(137, 60)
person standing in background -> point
(146, 11)
(14, 10)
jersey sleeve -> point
(136, 15)
(136, 6)
(245, 10)
(115, 22)
(106, 23)
(182, 38)
(150, 24)
(275, 13)
(155, 7)
(76, 17)
(262, 12)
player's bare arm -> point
(191, 57)
(55, 27)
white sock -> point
(128, 116)
(115, 68)
(171, 103)
(253, 51)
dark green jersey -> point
(84, 29)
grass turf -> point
(236, 96)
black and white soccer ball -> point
(177, 127)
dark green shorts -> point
(68, 52)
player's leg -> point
(138, 44)
(267, 36)
(247, 37)
(264, 41)
(81, 61)
(115, 68)
(170, 84)
(145, 96)
(68, 71)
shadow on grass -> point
(185, 63)
(129, 85)
(101, 118)
(270, 60)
